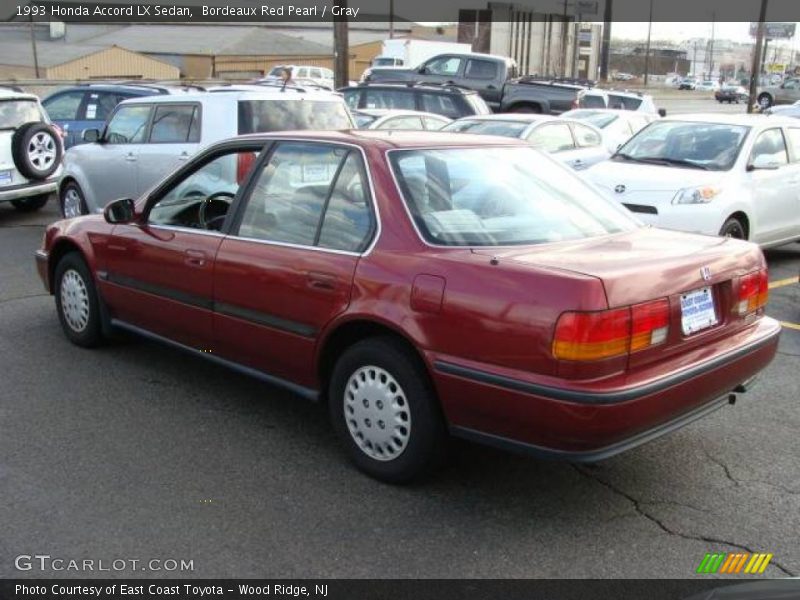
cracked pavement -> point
(138, 451)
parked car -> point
(145, 138)
(707, 85)
(487, 74)
(482, 290)
(616, 126)
(624, 76)
(785, 110)
(729, 175)
(572, 142)
(30, 151)
(787, 92)
(81, 107)
(687, 83)
(732, 93)
(381, 118)
(616, 99)
(446, 100)
(549, 96)
(319, 75)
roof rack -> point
(242, 87)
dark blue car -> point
(88, 106)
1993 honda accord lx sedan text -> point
(424, 283)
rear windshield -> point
(14, 113)
(500, 196)
(478, 104)
(626, 102)
(258, 116)
(487, 127)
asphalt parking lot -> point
(135, 451)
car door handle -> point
(322, 281)
(195, 258)
(130, 157)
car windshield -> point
(689, 144)
(14, 113)
(500, 196)
(487, 127)
(258, 116)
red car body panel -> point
(482, 319)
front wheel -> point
(76, 301)
(385, 411)
(734, 228)
(30, 204)
(764, 101)
(72, 201)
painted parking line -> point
(791, 325)
(782, 282)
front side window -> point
(175, 124)
(447, 66)
(260, 116)
(499, 196)
(552, 138)
(64, 107)
(310, 195)
(14, 113)
(769, 149)
(687, 144)
(202, 198)
(128, 125)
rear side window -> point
(402, 99)
(175, 124)
(100, 105)
(592, 101)
(352, 98)
(794, 142)
(64, 107)
(481, 69)
(441, 104)
(14, 113)
(625, 102)
(259, 116)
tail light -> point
(586, 336)
(244, 162)
(753, 292)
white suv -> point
(30, 151)
(145, 138)
(620, 99)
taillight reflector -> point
(753, 291)
(587, 336)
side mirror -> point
(90, 135)
(763, 162)
(423, 70)
(662, 112)
(119, 211)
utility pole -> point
(755, 71)
(341, 48)
(647, 49)
(605, 49)
(391, 19)
(35, 53)
(711, 49)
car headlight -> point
(696, 195)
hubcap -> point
(42, 150)
(74, 301)
(377, 413)
(72, 203)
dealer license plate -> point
(5, 177)
(697, 310)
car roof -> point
(412, 85)
(396, 112)
(733, 119)
(512, 117)
(11, 94)
(393, 139)
(240, 93)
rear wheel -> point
(76, 301)
(37, 150)
(71, 200)
(765, 101)
(30, 204)
(734, 228)
(385, 412)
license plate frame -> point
(698, 310)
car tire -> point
(734, 228)
(31, 204)
(71, 201)
(385, 412)
(764, 101)
(36, 149)
(77, 303)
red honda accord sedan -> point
(423, 284)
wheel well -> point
(56, 254)
(742, 218)
(351, 333)
(62, 184)
(534, 105)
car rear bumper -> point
(25, 190)
(592, 422)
